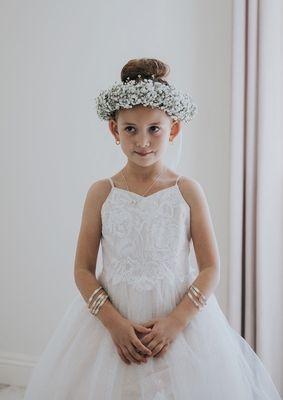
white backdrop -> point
(56, 56)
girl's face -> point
(144, 130)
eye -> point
(154, 126)
(128, 127)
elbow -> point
(215, 273)
(78, 274)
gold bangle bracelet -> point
(196, 294)
(98, 301)
(94, 300)
(98, 298)
(93, 294)
(193, 300)
(196, 289)
(100, 305)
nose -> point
(143, 141)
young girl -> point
(149, 327)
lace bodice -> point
(145, 240)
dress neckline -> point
(150, 195)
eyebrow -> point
(152, 123)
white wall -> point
(56, 56)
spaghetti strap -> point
(178, 179)
(110, 180)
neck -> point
(143, 173)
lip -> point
(143, 154)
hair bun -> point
(145, 67)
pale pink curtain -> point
(256, 220)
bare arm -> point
(122, 330)
(205, 247)
(87, 251)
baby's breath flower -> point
(146, 92)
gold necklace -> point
(155, 180)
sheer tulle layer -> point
(207, 360)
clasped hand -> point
(136, 342)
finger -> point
(148, 323)
(141, 347)
(142, 329)
(147, 338)
(162, 351)
(135, 353)
(128, 355)
(123, 357)
(151, 345)
(157, 348)
(124, 351)
(141, 357)
(138, 357)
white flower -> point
(147, 92)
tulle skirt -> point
(207, 360)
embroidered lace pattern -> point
(147, 242)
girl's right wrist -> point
(108, 315)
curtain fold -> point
(255, 278)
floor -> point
(8, 392)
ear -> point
(175, 129)
(113, 126)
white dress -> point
(146, 270)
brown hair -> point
(145, 67)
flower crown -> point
(147, 92)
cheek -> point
(127, 144)
(126, 139)
(162, 139)
(159, 137)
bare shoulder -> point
(94, 199)
(98, 192)
(192, 191)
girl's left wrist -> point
(181, 323)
